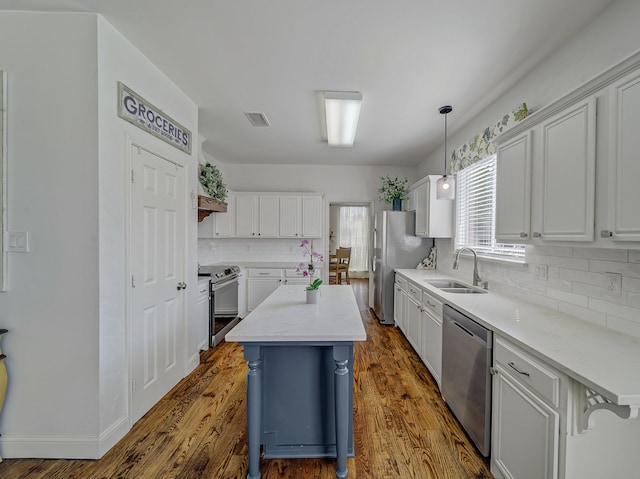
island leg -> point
(253, 355)
(341, 388)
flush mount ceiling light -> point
(445, 186)
(342, 109)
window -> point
(354, 233)
(476, 212)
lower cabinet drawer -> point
(542, 379)
(414, 292)
(265, 272)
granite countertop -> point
(285, 317)
(599, 358)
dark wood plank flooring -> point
(402, 427)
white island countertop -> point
(599, 358)
(285, 317)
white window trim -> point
(484, 252)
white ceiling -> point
(407, 57)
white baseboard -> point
(63, 447)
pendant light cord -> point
(445, 110)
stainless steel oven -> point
(223, 300)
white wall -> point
(67, 171)
(119, 60)
(576, 283)
(612, 36)
(51, 307)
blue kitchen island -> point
(300, 376)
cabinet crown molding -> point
(583, 91)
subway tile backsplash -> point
(576, 282)
(239, 250)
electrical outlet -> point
(613, 282)
(540, 271)
(18, 242)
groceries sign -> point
(138, 111)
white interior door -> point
(157, 266)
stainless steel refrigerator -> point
(395, 246)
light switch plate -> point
(18, 242)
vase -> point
(397, 204)
(312, 296)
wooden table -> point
(300, 376)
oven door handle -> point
(218, 286)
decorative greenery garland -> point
(211, 180)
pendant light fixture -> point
(445, 186)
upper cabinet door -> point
(268, 214)
(513, 189)
(568, 174)
(290, 216)
(312, 216)
(244, 215)
(624, 166)
(224, 224)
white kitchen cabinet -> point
(413, 317)
(525, 433)
(201, 324)
(291, 276)
(260, 284)
(432, 335)
(219, 225)
(301, 216)
(410, 204)
(513, 189)
(545, 181)
(257, 216)
(624, 167)
(567, 187)
(224, 223)
(434, 218)
(400, 302)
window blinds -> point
(475, 212)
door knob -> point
(182, 285)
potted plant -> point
(393, 191)
(211, 181)
(308, 269)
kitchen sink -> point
(463, 290)
(445, 283)
(452, 286)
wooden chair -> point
(339, 264)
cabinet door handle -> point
(430, 304)
(606, 234)
(523, 235)
(513, 366)
(537, 235)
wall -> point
(119, 60)
(576, 283)
(66, 305)
(51, 307)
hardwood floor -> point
(402, 427)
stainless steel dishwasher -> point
(466, 379)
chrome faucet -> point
(476, 276)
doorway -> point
(157, 262)
(349, 227)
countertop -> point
(601, 359)
(285, 317)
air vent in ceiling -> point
(257, 118)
